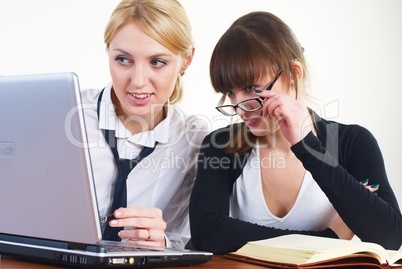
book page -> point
(302, 249)
(395, 256)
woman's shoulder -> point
(186, 120)
(345, 131)
(189, 126)
(220, 137)
(90, 95)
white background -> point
(353, 48)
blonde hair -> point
(165, 21)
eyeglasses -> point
(249, 105)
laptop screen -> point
(46, 178)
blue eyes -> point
(158, 63)
(124, 60)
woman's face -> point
(143, 72)
(257, 123)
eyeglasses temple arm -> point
(222, 100)
(269, 86)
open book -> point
(304, 251)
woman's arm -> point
(339, 158)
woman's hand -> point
(292, 115)
(144, 226)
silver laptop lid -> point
(46, 182)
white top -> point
(248, 203)
(164, 179)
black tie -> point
(124, 167)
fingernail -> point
(375, 186)
(364, 181)
(114, 222)
(258, 91)
(118, 214)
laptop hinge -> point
(50, 243)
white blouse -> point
(164, 179)
(311, 211)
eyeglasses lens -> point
(227, 110)
(250, 105)
(247, 105)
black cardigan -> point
(339, 157)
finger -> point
(269, 97)
(266, 94)
(145, 223)
(364, 182)
(139, 211)
(137, 234)
(373, 188)
(272, 104)
(277, 108)
(135, 216)
(278, 112)
(280, 105)
(142, 234)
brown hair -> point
(256, 44)
(165, 21)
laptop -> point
(48, 204)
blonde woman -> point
(142, 145)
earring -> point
(182, 73)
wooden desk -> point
(216, 262)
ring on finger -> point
(149, 235)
